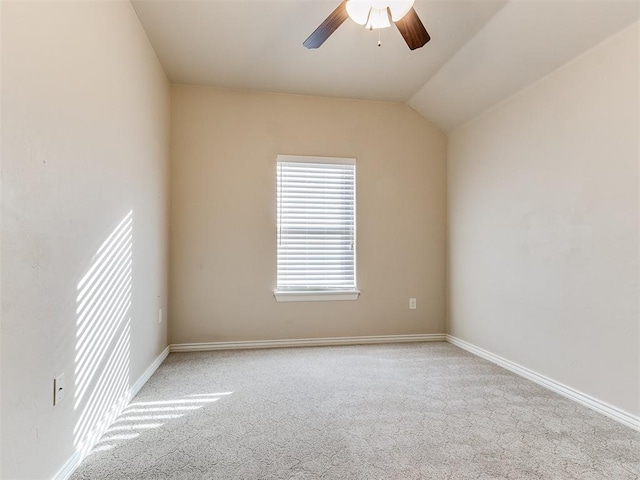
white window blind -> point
(316, 224)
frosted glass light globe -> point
(373, 13)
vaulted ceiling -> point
(481, 52)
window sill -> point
(318, 296)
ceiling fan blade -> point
(413, 30)
(326, 28)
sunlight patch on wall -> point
(103, 338)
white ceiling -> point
(481, 52)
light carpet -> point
(402, 411)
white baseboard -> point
(74, 461)
(69, 467)
(306, 342)
(144, 378)
(588, 401)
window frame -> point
(307, 294)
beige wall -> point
(85, 129)
(543, 226)
(223, 265)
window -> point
(316, 228)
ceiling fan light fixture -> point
(373, 13)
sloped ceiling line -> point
(481, 52)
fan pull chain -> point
(379, 34)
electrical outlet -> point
(58, 389)
(160, 316)
(412, 303)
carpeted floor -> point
(405, 411)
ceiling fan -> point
(374, 14)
